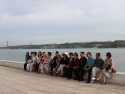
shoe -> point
(103, 83)
(42, 72)
(88, 82)
(75, 78)
(69, 78)
(80, 80)
(94, 78)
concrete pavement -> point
(17, 81)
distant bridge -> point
(7, 44)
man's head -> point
(97, 55)
(82, 54)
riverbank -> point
(17, 81)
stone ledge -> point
(118, 78)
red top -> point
(75, 63)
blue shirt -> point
(26, 59)
(90, 61)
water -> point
(118, 54)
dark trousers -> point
(71, 70)
(36, 67)
(25, 66)
(52, 66)
(89, 74)
(66, 71)
(80, 72)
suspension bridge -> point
(7, 44)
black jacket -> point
(82, 62)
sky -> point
(61, 21)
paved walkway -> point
(16, 81)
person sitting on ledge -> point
(108, 68)
(98, 66)
(53, 63)
(74, 67)
(58, 62)
(26, 60)
(32, 62)
(63, 64)
(89, 65)
(80, 69)
(67, 67)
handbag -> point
(113, 70)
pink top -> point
(46, 60)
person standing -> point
(98, 66)
(89, 65)
(80, 69)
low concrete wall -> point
(118, 78)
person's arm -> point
(93, 61)
(112, 64)
(85, 67)
(104, 64)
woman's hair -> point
(89, 53)
(27, 53)
(49, 53)
(35, 53)
(76, 54)
(70, 53)
(57, 52)
(109, 54)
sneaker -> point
(93, 78)
(42, 71)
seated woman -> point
(68, 66)
(32, 62)
(63, 63)
(26, 60)
(108, 67)
(46, 64)
(58, 62)
(39, 59)
(74, 67)
(53, 63)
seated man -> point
(80, 69)
(98, 66)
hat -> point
(64, 53)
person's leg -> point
(76, 72)
(89, 75)
(104, 79)
(81, 73)
(70, 73)
(59, 69)
(25, 66)
(62, 71)
(28, 67)
(31, 67)
(95, 70)
(100, 76)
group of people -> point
(70, 66)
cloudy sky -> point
(60, 21)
